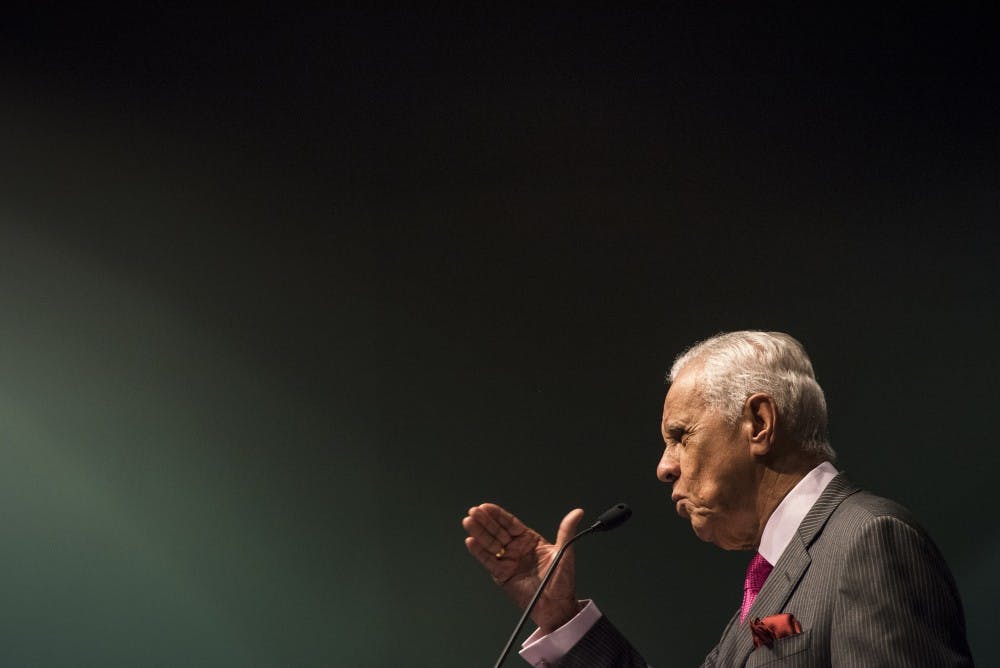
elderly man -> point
(840, 577)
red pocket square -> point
(766, 631)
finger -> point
(485, 557)
(496, 520)
(504, 518)
(567, 528)
(483, 536)
(492, 526)
(481, 552)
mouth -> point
(681, 507)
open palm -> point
(524, 557)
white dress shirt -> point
(545, 650)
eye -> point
(677, 435)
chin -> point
(705, 532)
(731, 543)
(702, 531)
(736, 547)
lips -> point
(682, 507)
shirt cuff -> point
(545, 650)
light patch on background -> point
(149, 517)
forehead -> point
(683, 401)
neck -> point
(774, 485)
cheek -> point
(704, 492)
(724, 488)
(698, 487)
(706, 484)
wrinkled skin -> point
(710, 465)
(526, 559)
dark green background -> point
(282, 293)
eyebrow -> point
(671, 426)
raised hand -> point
(517, 558)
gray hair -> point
(735, 365)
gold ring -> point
(503, 551)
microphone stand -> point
(534, 599)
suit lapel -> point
(795, 559)
(839, 489)
(737, 642)
(782, 582)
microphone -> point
(612, 518)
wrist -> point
(560, 616)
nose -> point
(669, 469)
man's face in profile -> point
(709, 463)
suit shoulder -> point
(895, 600)
(864, 505)
(863, 513)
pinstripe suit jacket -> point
(867, 584)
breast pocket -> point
(782, 652)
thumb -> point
(567, 528)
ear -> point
(762, 414)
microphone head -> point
(613, 517)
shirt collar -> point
(792, 510)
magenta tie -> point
(757, 572)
